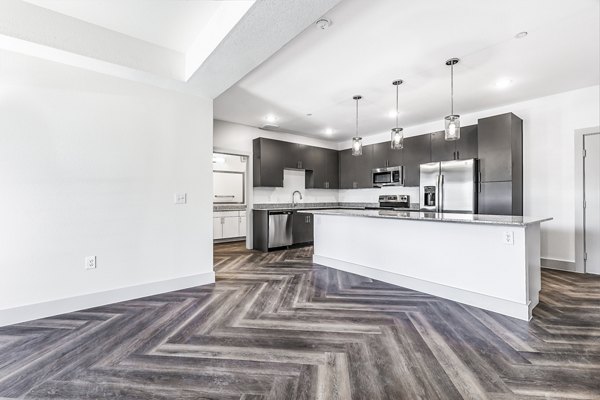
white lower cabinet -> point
(229, 224)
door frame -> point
(580, 196)
(248, 187)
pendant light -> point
(452, 121)
(357, 140)
(397, 139)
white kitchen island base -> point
(489, 262)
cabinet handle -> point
(480, 182)
(457, 155)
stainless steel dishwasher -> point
(280, 228)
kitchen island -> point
(487, 261)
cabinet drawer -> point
(221, 214)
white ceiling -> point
(200, 47)
(370, 44)
(174, 24)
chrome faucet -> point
(294, 197)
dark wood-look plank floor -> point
(276, 326)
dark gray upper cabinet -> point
(355, 171)
(382, 156)
(461, 149)
(271, 157)
(417, 151)
(269, 161)
(466, 146)
(321, 167)
(442, 149)
(332, 175)
(500, 144)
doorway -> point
(229, 197)
(591, 201)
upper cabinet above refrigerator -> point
(462, 149)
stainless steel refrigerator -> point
(449, 186)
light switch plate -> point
(90, 262)
(508, 237)
(180, 198)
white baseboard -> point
(506, 307)
(562, 265)
(60, 306)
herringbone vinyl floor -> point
(275, 326)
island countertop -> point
(510, 220)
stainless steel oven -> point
(390, 176)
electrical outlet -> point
(508, 237)
(180, 198)
(90, 262)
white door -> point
(231, 227)
(591, 144)
(217, 228)
(242, 229)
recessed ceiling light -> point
(392, 114)
(309, 115)
(323, 23)
(271, 118)
(521, 35)
(503, 83)
(329, 131)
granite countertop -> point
(315, 206)
(229, 207)
(436, 217)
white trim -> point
(562, 265)
(249, 183)
(60, 306)
(506, 307)
(579, 196)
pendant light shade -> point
(357, 140)
(397, 137)
(452, 121)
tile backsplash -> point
(294, 180)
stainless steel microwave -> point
(390, 176)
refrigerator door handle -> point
(441, 193)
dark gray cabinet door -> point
(269, 162)
(362, 168)
(302, 228)
(467, 145)
(461, 149)
(382, 156)
(346, 169)
(442, 149)
(355, 172)
(314, 164)
(495, 198)
(332, 170)
(417, 151)
(379, 155)
(322, 168)
(494, 143)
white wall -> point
(89, 165)
(549, 124)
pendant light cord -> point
(356, 118)
(397, 106)
(452, 89)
